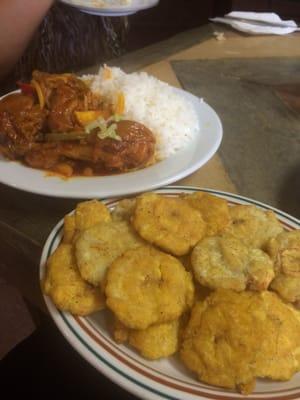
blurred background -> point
(69, 40)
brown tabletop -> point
(253, 84)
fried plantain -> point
(214, 210)
(169, 223)
(97, 247)
(69, 229)
(225, 262)
(145, 286)
(157, 341)
(232, 338)
(86, 214)
(89, 213)
(68, 291)
(285, 251)
(254, 226)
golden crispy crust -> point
(145, 286)
(253, 226)
(157, 341)
(65, 286)
(214, 210)
(285, 251)
(225, 262)
(97, 247)
(232, 338)
(89, 213)
(69, 228)
(169, 223)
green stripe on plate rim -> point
(103, 360)
(169, 188)
(112, 366)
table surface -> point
(253, 84)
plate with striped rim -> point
(166, 378)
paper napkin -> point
(258, 23)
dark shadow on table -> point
(45, 366)
(289, 193)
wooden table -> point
(253, 84)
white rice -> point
(170, 117)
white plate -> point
(164, 379)
(170, 170)
(91, 7)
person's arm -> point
(19, 19)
